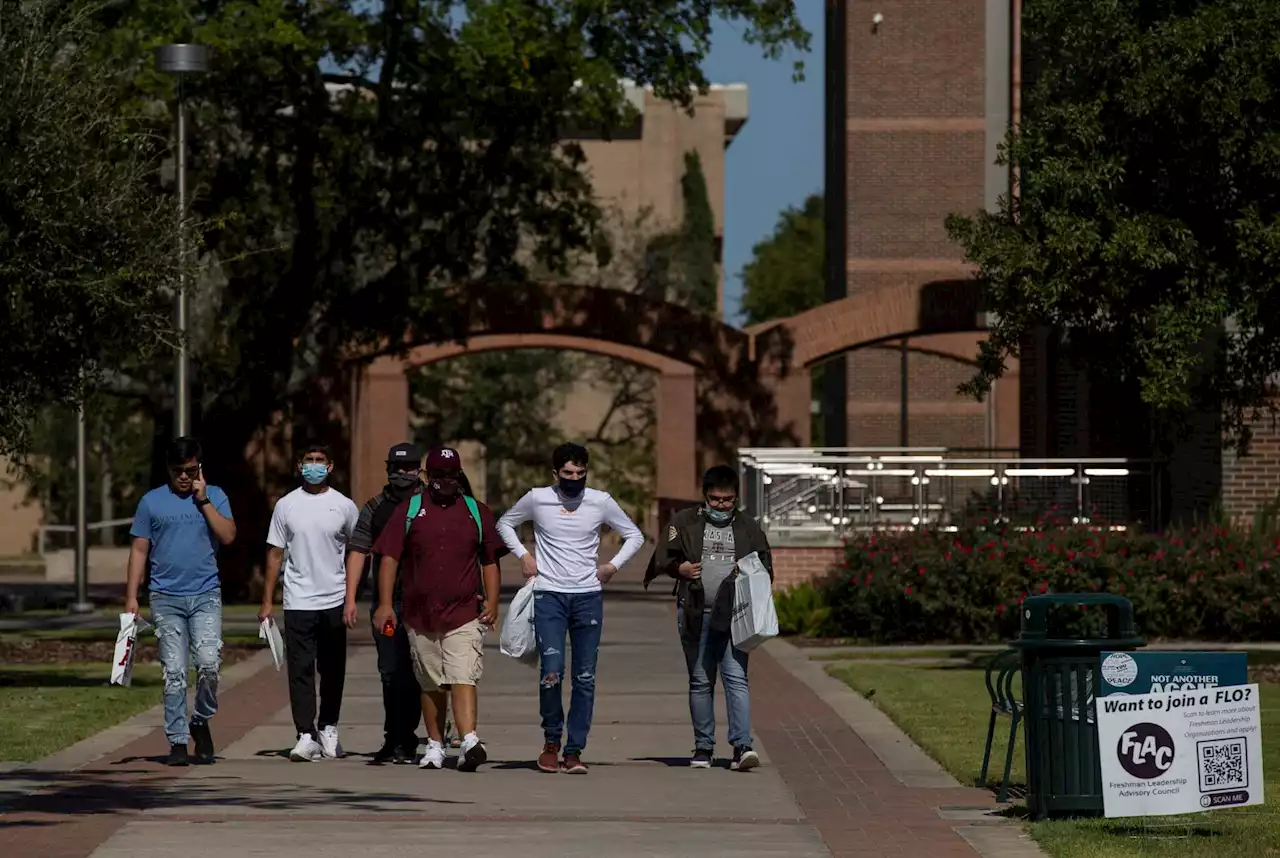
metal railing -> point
(46, 529)
(816, 494)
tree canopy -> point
(354, 157)
(1145, 223)
(87, 243)
(786, 275)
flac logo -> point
(1145, 751)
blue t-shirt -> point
(184, 549)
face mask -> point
(402, 480)
(572, 488)
(444, 488)
(315, 473)
(717, 516)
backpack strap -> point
(415, 506)
(475, 516)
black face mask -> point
(572, 488)
(443, 489)
(402, 480)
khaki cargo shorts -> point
(452, 658)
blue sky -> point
(776, 159)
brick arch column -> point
(381, 408)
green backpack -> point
(415, 506)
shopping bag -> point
(518, 639)
(754, 618)
(126, 643)
(268, 632)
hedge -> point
(1211, 584)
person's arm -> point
(508, 526)
(217, 512)
(764, 552)
(277, 539)
(391, 545)
(632, 538)
(492, 548)
(359, 544)
(139, 550)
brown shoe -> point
(549, 759)
(573, 765)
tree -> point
(367, 154)
(86, 243)
(1145, 222)
(786, 274)
(680, 264)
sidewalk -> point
(822, 792)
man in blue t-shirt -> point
(179, 527)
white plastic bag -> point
(126, 643)
(268, 632)
(754, 618)
(518, 639)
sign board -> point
(1144, 672)
(1180, 751)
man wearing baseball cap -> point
(446, 547)
(401, 696)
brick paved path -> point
(821, 792)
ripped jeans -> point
(188, 624)
(579, 617)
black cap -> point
(405, 453)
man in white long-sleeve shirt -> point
(569, 601)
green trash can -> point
(1059, 681)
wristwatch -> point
(204, 502)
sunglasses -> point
(190, 472)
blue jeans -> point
(188, 624)
(579, 617)
(714, 651)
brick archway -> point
(788, 348)
(674, 342)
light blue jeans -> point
(188, 624)
(713, 653)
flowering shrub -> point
(1213, 584)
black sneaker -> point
(744, 760)
(178, 756)
(203, 740)
(388, 753)
(701, 759)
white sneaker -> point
(329, 744)
(433, 756)
(307, 750)
(471, 753)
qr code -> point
(1223, 764)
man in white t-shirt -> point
(569, 600)
(310, 529)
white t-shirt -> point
(567, 536)
(313, 529)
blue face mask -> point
(717, 517)
(314, 472)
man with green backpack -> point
(447, 555)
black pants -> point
(401, 695)
(315, 642)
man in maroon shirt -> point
(444, 554)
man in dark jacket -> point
(401, 696)
(701, 550)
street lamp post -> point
(182, 60)
(82, 605)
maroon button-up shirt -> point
(440, 560)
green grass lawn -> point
(44, 708)
(945, 710)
